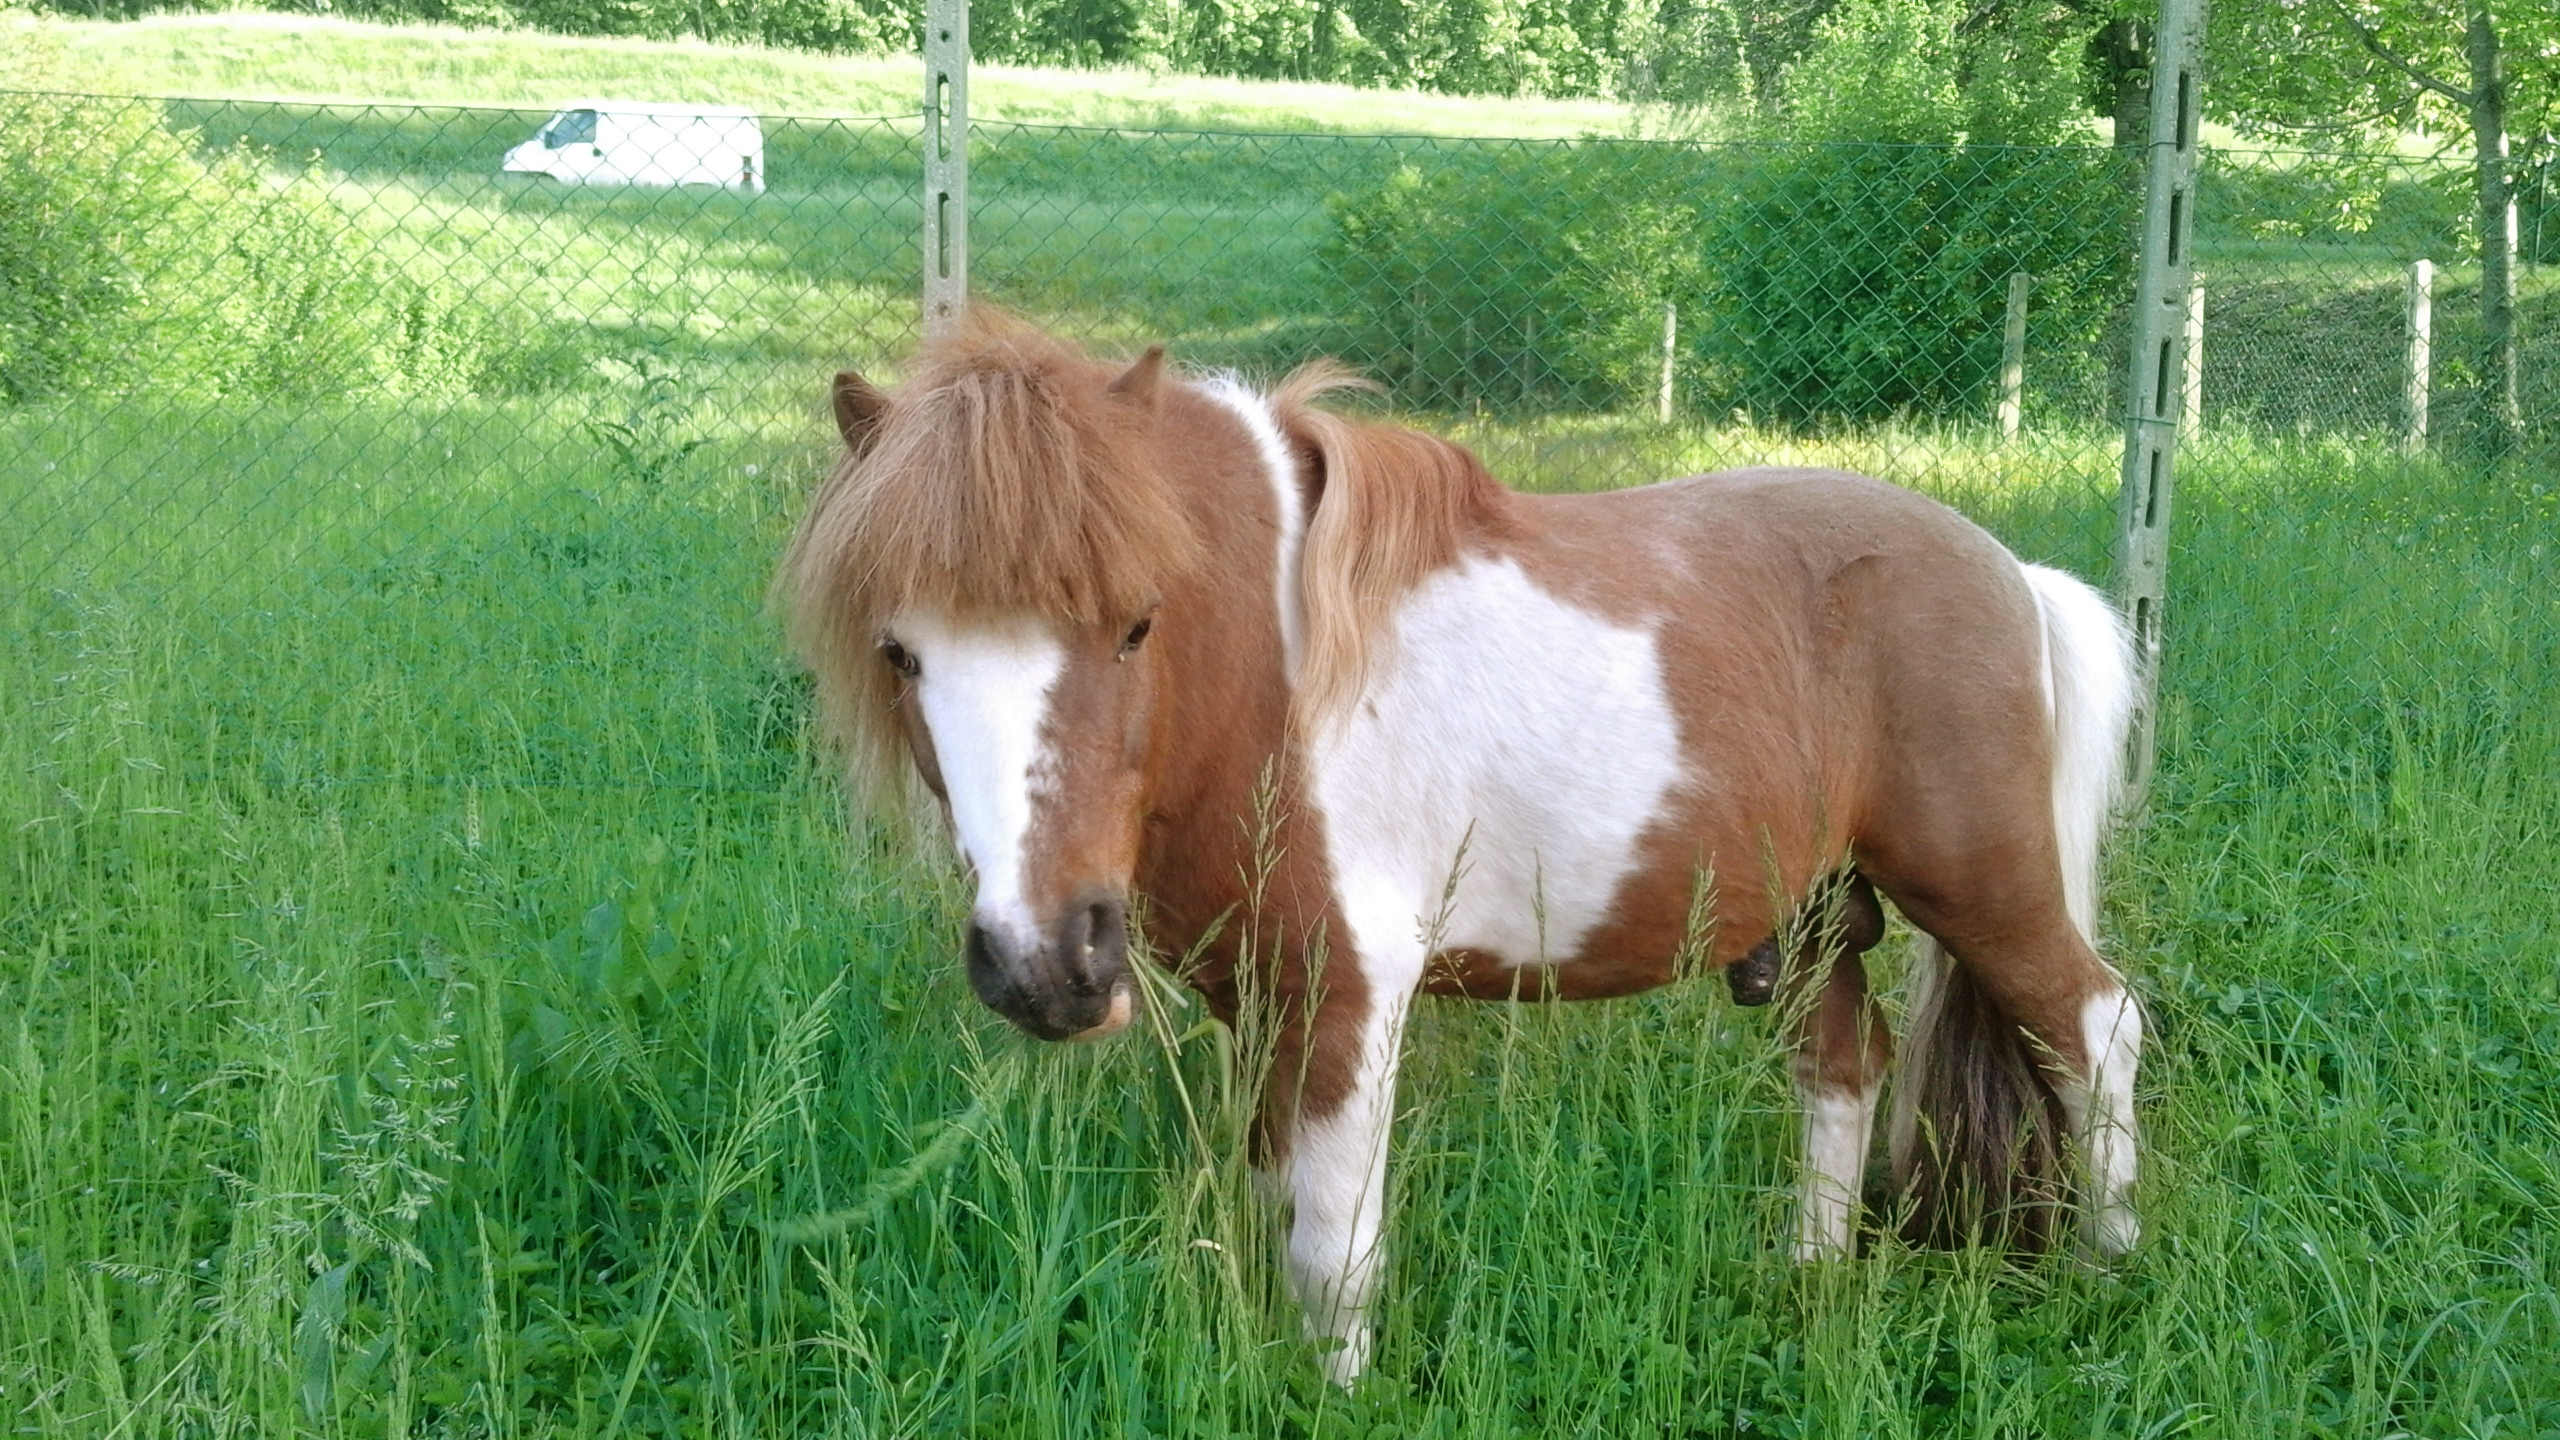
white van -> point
(624, 142)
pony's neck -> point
(1224, 807)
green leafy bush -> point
(1853, 265)
(67, 295)
(1862, 268)
(1929, 72)
(1530, 274)
(1848, 282)
(1814, 282)
(128, 260)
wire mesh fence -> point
(2306, 260)
(427, 471)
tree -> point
(1925, 72)
(2026, 46)
(2362, 66)
(2117, 65)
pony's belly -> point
(1490, 793)
(1475, 975)
(1660, 929)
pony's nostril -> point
(987, 977)
(1090, 941)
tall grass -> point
(439, 996)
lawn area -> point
(241, 55)
(443, 997)
(442, 994)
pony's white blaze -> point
(1488, 789)
(984, 691)
(1255, 414)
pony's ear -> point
(1137, 384)
(860, 407)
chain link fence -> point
(2361, 542)
(419, 471)
(2306, 261)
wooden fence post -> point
(2422, 326)
(1670, 355)
(2152, 400)
(2013, 356)
(946, 164)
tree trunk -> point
(2121, 54)
(2499, 390)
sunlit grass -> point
(440, 994)
(441, 997)
(310, 57)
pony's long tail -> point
(1977, 1133)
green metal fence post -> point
(946, 164)
(2153, 384)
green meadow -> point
(241, 55)
(442, 992)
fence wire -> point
(403, 468)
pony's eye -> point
(900, 658)
(1137, 635)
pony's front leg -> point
(1336, 1164)
(1841, 1050)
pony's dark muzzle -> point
(1073, 986)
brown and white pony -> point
(1339, 706)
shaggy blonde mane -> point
(1393, 506)
(1005, 478)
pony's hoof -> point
(1344, 1364)
(2110, 1234)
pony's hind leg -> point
(1842, 1048)
(2023, 1010)
(2099, 1105)
(2088, 1031)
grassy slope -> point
(307, 58)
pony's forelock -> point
(1005, 480)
